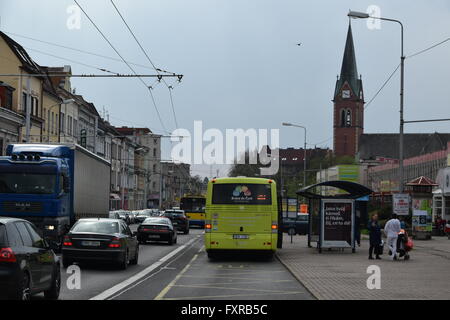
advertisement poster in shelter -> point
(337, 222)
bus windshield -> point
(236, 193)
(27, 183)
(193, 204)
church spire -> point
(349, 71)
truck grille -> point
(19, 206)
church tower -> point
(348, 120)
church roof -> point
(349, 70)
(386, 145)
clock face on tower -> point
(345, 94)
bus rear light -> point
(274, 227)
(270, 181)
(208, 226)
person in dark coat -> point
(374, 237)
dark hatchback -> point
(299, 224)
(178, 218)
(27, 264)
(100, 241)
(157, 229)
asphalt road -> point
(183, 271)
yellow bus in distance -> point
(194, 208)
(241, 216)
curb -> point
(296, 277)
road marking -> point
(164, 291)
(122, 285)
(235, 295)
(239, 282)
(212, 286)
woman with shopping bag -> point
(374, 237)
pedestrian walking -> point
(374, 237)
(391, 229)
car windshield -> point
(27, 183)
(156, 220)
(2, 235)
(107, 227)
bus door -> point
(280, 222)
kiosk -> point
(332, 213)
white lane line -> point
(122, 285)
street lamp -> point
(66, 101)
(362, 15)
(286, 124)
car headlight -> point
(51, 227)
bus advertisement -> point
(242, 214)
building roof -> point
(354, 190)
(131, 131)
(21, 54)
(423, 182)
(373, 146)
(349, 71)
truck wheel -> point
(53, 292)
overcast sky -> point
(241, 64)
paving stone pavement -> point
(335, 275)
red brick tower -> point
(348, 120)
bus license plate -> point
(240, 236)
(91, 243)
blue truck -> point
(53, 185)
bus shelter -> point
(332, 217)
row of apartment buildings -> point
(59, 115)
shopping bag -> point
(409, 244)
(380, 248)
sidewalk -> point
(335, 275)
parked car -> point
(157, 229)
(100, 240)
(27, 264)
(178, 218)
(299, 224)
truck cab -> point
(35, 184)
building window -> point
(63, 119)
(8, 100)
(53, 122)
(348, 119)
(48, 120)
(342, 118)
(154, 168)
(154, 152)
(24, 102)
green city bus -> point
(242, 214)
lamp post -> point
(362, 15)
(286, 124)
(67, 101)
